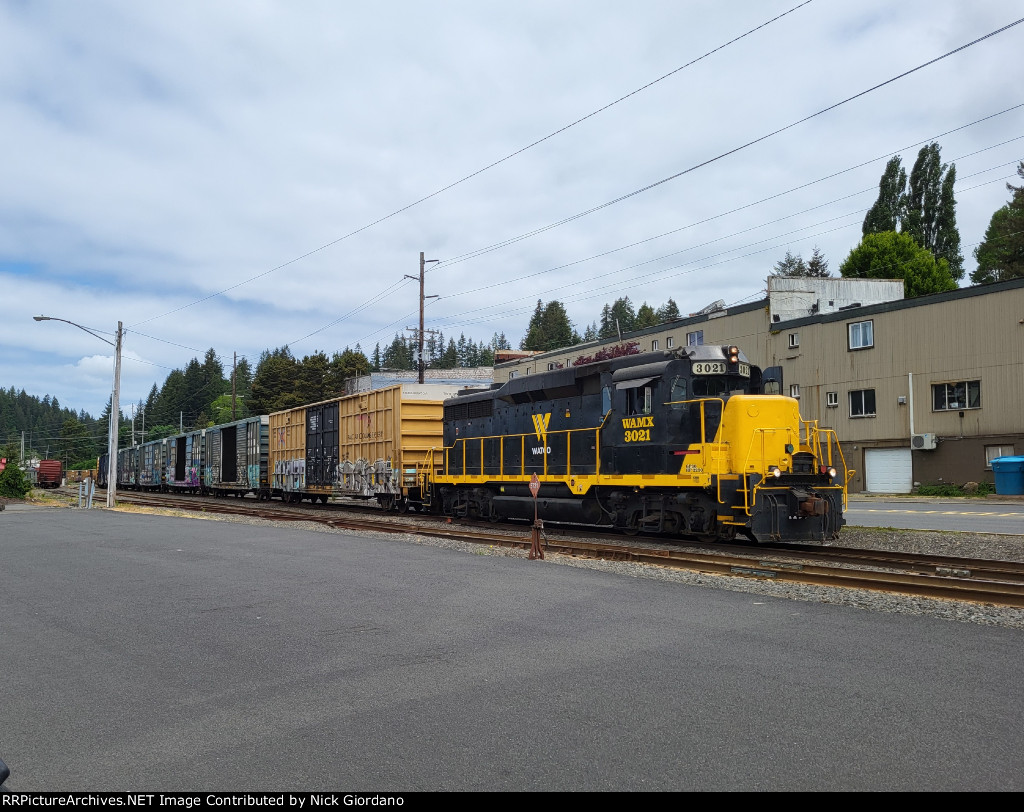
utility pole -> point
(423, 263)
(234, 366)
(115, 415)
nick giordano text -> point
(296, 800)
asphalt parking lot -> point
(150, 653)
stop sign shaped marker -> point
(534, 485)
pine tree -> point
(790, 265)
(817, 266)
(668, 312)
(646, 317)
(1000, 254)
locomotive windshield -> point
(712, 386)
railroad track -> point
(982, 581)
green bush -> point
(13, 482)
(984, 489)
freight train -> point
(696, 442)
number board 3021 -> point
(717, 368)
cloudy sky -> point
(248, 174)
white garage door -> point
(888, 470)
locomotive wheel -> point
(632, 525)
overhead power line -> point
(480, 171)
(726, 154)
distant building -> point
(504, 356)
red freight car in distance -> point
(49, 474)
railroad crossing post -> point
(538, 525)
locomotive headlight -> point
(734, 355)
(832, 473)
(774, 471)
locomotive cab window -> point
(678, 392)
(638, 400)
(710, 386)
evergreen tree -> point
(790, 265)
(590, 334)
(272, 384)
(607, 328)
(888, 210)
(534, 337)
(889, 255)
(450, 357)
(668, 312)
(817, 266)
(1000, 254)
(646, 317)
(550, 328)
(622, 317)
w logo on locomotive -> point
(540, 425)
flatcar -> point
(683, 442)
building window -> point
(794, 390)
(794, 340)
(994, 451)
(654, 344)
(552, 365)
(862, 403)
(512, 374)
(954, 396)
(862, 335)
(670, 342)
(832, 400)
(695, 338)
(527, 370)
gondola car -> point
(683, 442)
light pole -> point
(115, 408)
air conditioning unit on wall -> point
(923, 442)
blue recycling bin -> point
(1009, 473)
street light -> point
(115, 408)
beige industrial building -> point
(920, 391)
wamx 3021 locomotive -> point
(684, 442)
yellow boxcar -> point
(365, 446)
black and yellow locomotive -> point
(684, 442)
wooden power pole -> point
(423, 297)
